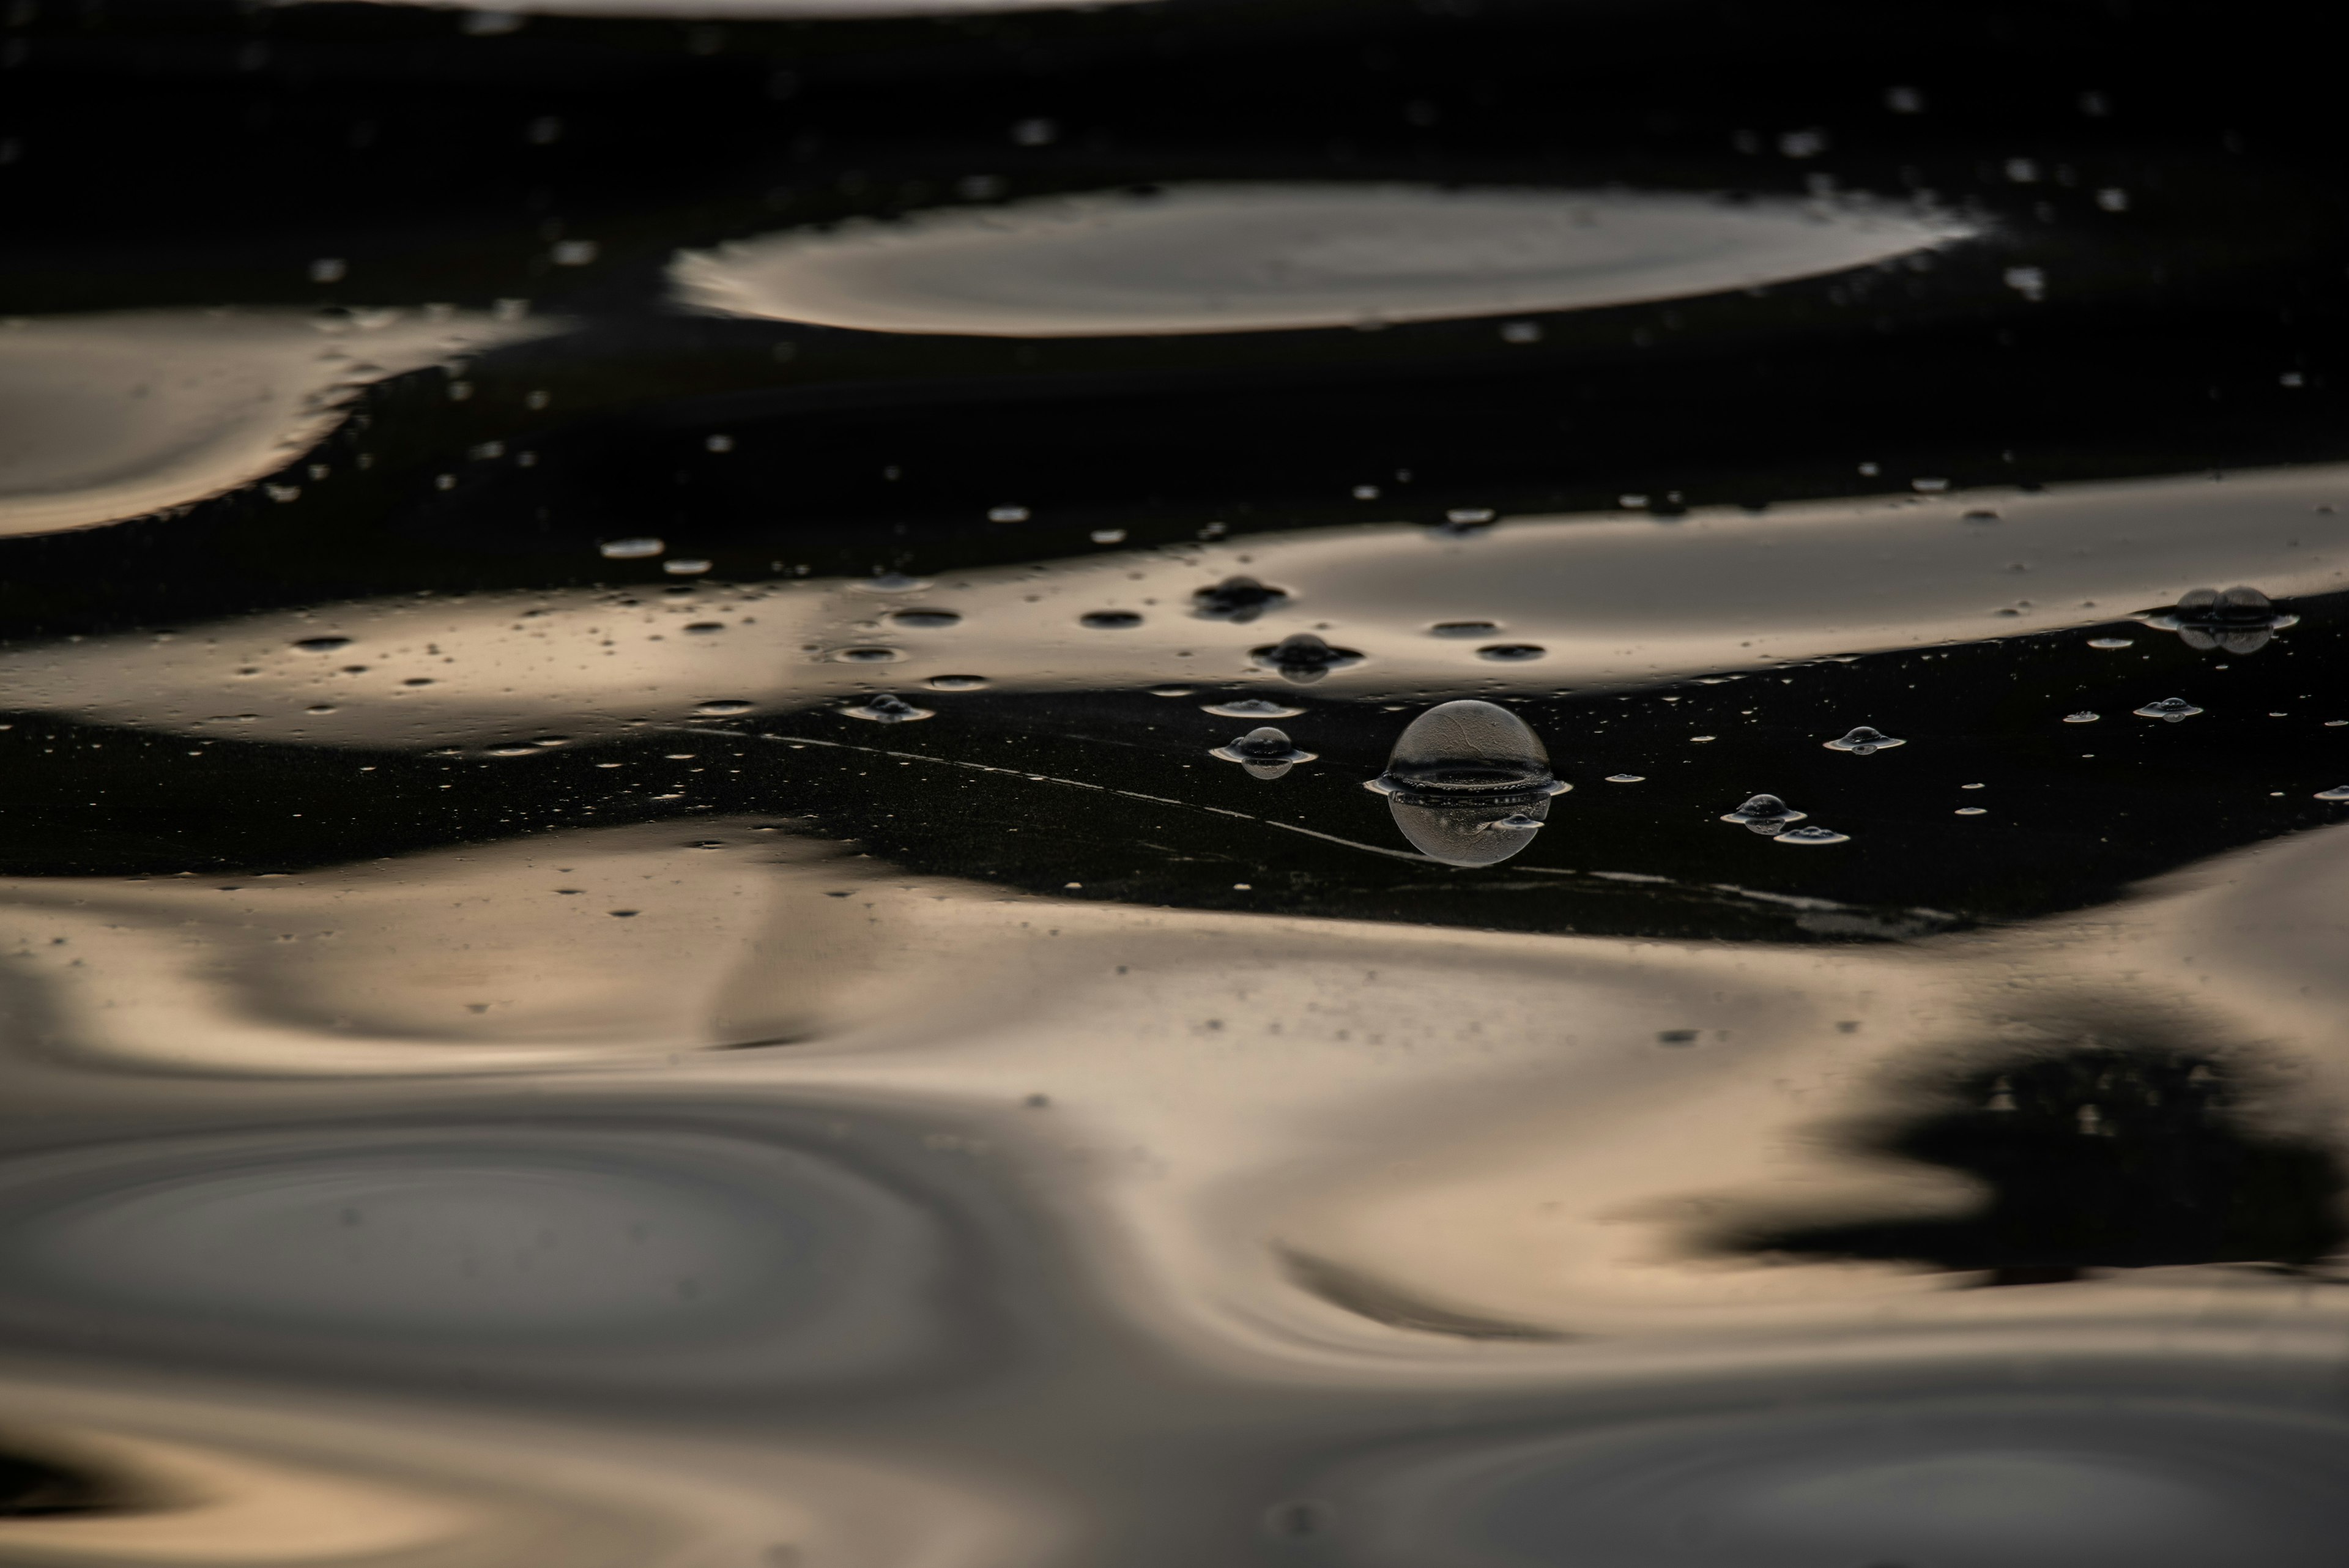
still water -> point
(927, 783)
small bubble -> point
(1173, 690)
(1464, 628)
(1928, 486)
(329, 269)
(720, 707)
(1107, 535)
(1521, 332)
(956, 682)
(1676, 1036)
(573, 253)
(1812, 835)
(1627, 778)
(1237, 599)
(1251, 708)
(2173, 708)
(1110, 620)
(1766, 814)
(718, 444)
(1264, 752)
(2338, 792)
(322, 644)
(1007, 515)
(1512, 652)
(704, 627)
(1366, 492)
(622, 914)
(2110, 642)
(2082, 717)
(1864, 742)
(883, 708)
(1968, 811)
(1304, 657)
(924, 619)
(864, 656)
(1979, 517)
(682, 567)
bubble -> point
(704, 627)
(1766, 814)
(2110, 642)
(2338, 792)
(1627, 778)
(2173, 708)
(1007, 515)
(721, 707)
(1968, 811)
(883, 707)
(1812, 835)
(955, 682)
(629, 549)
(1468, 782)
(512, 752)
(1464, 628)
(2082, 717)
(2238, 620)
(1304, 657)
(322, 644)
(683, 568)
(1463, 522)
(890, 583)
(1172, 691)
(1251, 708)
(1240, 600)
(1110, 620)
(1512, 652)
(1266, 753)
(1864, 742)
(865, 655)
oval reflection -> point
(1253, 258)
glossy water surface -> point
(687, 880)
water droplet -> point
(956, 682)
(720, 707)
(1464, 628)
(1627, 778)
(1512, 652)
(1812, 835)
(1457, 777)
(629, 549)
(1266, 753)
(1864, 742)
(1252, 708)
(322, 644)
(883, 707)
(2082, 717)
(1240, 600)
(2173, 708)
(2239, 620)
(2338, 792)
(863, 655)
(1110, 620)
(2110, 642)
(924, 619)
(1304, 657)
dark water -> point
(688, 878)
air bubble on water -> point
(1007, 515)
(1766, 814)
(2110, 642)
(2173, 708)
(683, 568)
(629, 549)
(322, 644)
(1107, 535)
(1862, 741)
(1464, 628)
(890, 583)
(1462, 522)
(1512, 652)
(2082, 717)
(863, 655)
(2239, 620)
(1458, 774)
(1251, 708)
(1303, 657)
(1968, 811)
(886, 708)
(2338, 792)
(1264, 752)
(1172, 691)
(1239, 600)
(1110, 620)
(924, 619)
(955, 682)
(720, 707)
(1812, 835)
(1627, 778)
(705, 627)
(512, 752)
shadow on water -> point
(2099, 1156)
